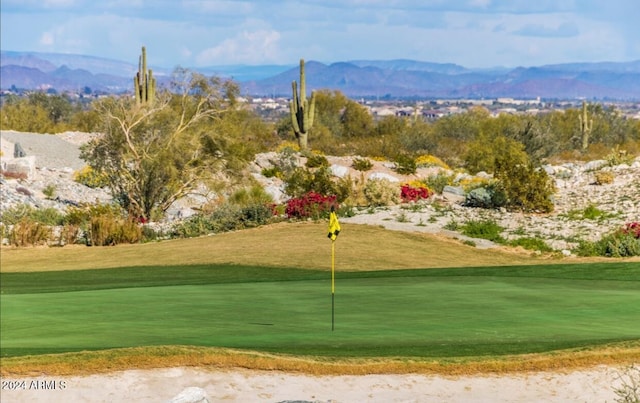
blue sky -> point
(200, 33)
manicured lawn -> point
(421, 313)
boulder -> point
(454, 194)
(339, 170)
(19, 167)
(18, 151)
(382, 175)
(191, 395)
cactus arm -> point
(312, 108)
(294, 119)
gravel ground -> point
(53, 151)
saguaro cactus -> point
(586, 124)
(144, 83)
(302, 110)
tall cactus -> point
(302, 110)
(586, 124)
(144, 83)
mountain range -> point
(356, 78)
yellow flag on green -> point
(334, 226)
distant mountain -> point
(431, 80)
(398, 78)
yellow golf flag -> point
(334, 226)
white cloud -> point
(247, 47)
(47, 39)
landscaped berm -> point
(404, 303)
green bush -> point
(484, 229)
(316, 161)
(438, 182)
(405, 165)
(49, 191)
(615, 244)
(303, 180)
(531, 244)
(250, 196)
(91, 178)
(361, 164)
(526, 188)
(227, 217)
(46, 216)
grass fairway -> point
(439, 313)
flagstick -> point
(333, 286)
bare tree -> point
(157, 152)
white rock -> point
(593, 165)
(382, 175)
(339, 170)
(191, 395)
(20, 166)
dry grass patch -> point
(300, 245)
(99, 362)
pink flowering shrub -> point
(409, 193)
(632, 228)
(311, 204)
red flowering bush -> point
(410, 193)
(311, 204)
(632, 228)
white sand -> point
(161, 385)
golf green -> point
(409, 313)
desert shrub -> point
(316, 161)
(361, 164)
(405, 165)
(604, 177)
(381, 192)
(310, 205)
(224, 218)
(439, 181)
(356, 188)
(490, 196)
(91, 178)
(109, 230)
(484, 229)
(271, 172)
(29, 232)
(302, 181)
(47, 216)
(285, 163)
(526, 188)
(49, 191)
(250, 196)
(531, 244)
(623, 242)
(618, 156)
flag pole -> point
(334, 230)
(333, 284)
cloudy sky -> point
(199, 33)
